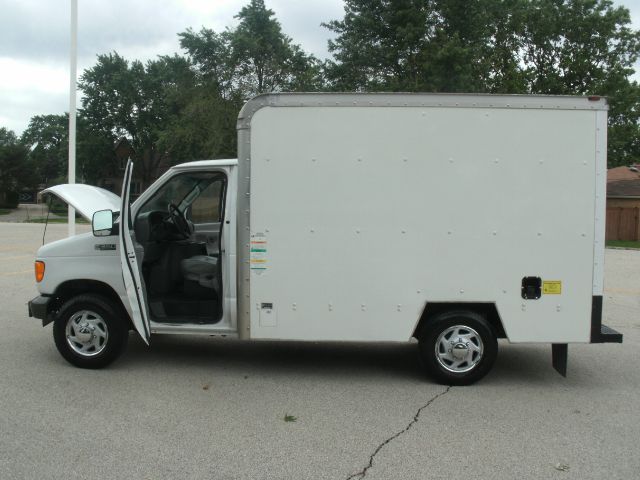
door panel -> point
(131, 261)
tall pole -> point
(73, 55)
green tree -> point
(7, 137)
(95, 155)
(16, 171)
(502, 52)
(587, 47)
(576, 47)
(199, 122)
(210, 53)
(256, 57)
(231, 67)
(203, 129)
(47, 138)
(624, 124)
(380, 45)
(415, 45)
(135, 101)
(266, 59)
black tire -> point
(477, 365)
(104, 314)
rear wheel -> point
(458, 347)
(88, 332)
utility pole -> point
(73, 55)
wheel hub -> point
(459, 350)
(87, 333)
(84, 333)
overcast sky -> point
(34, 40)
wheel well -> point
(72, 288)
(487, 310)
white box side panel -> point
(366, 214)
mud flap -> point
(559, 353)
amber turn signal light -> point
(39, 270)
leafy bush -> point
(9, 199)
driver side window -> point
(172, 192)
(207, 208)
(197, 193)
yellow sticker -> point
(552, 287)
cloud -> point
(40, 30)
(32, 88)
(34, 40)
(37, 30)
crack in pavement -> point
(363, 472)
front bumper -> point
(39, 308)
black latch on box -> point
(531, 288)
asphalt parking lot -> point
(193, 407)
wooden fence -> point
(623, 223)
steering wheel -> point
(179, 221)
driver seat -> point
(201, 269)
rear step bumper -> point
(601, 333)
(607, 335)
(559, 351)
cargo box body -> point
(356, 211)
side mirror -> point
(102, 223)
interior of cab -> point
(179, 229)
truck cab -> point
(164, 263)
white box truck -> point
(453, 219)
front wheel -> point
(458, 347)
(88, 332)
